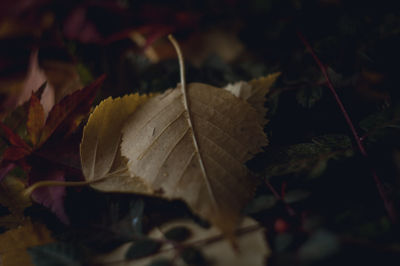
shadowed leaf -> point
(56, 254)
(100, 147)
(178, 234)
(35, 121)
(14, 243)
(142, 248)
(68, 113)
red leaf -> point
(14, 153)
(13, 138)
(69, 111)
(35, 120)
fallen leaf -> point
(188, 143)
(18, 149)
(14, 243)
(193, 147)
(100, 146)
(35, 121)
(68, 113)
(43, 161)
(13, 138)
(55, 161)
(200, 160)
(254, 91)
(15, 153)
(202, 244)
(12, 197)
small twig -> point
(289, 209)
(382, 192)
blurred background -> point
(62, 46)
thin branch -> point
(382, 192)
(289, 209)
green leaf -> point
(309, 96)
(142, 248)
(320, 245)
(310, 158)
(296, 196)
(178, 234)
(377, 126)
(260, 203)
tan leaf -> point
(253, 250)
(193, 146)
(14, 243)
(100, 146)
(254, 91)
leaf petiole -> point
(50, 183)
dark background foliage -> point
(318, 199)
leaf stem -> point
(289, 209)
(389, 206)
(189, 120)
(181, 63)
(51, 183)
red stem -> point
(289, 209)
(382, 192)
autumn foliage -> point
(281, 148)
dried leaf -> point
(13, 138)
(67, 114)
(35, 120)
(15, 153)
(14, 243)
(12, 197)
(100, 146)
(254, 91)
(194, 147)
(18, 149)
(203, 244)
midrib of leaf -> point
(93, 166)
(190, 123)
(196, 146)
